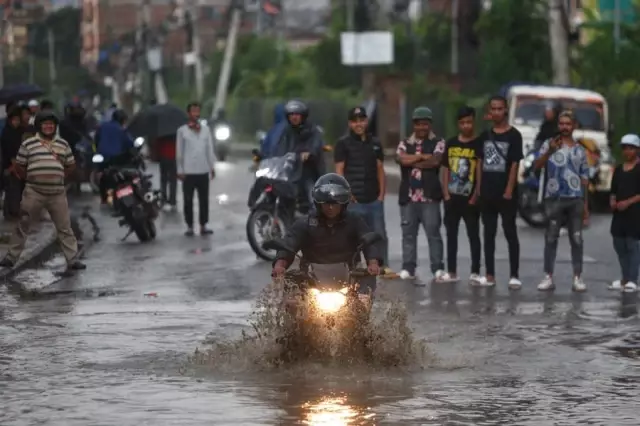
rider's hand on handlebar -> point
(373, 267)
(279, 268)
(304, 156)
(556, 143)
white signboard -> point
(367, 48)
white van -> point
(527, 105)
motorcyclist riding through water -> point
(330, 234)
(302, 137)
(113, 143)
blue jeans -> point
(628, 251)
(373, 215)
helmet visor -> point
(331, 194)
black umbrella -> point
(19, 92)
(157, 121)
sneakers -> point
(546, 284)
(189, 232)
(406, 275)
(477, 280)
(448, 277)
(515, 284)
(489, 282)
(579, 285)
(437, 276)
(205, 231)
(76, 265)
(628, 287)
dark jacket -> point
(269, 143)
(360, 165)
(325, 244)
(112, 140)
(304, 138)
(10, 142)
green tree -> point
(65, 26)
(514, 43)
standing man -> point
(359, 158)
(462, 161)
(44, 162)
(565, 198)
(420, 157)
(501, 154)
(195, 161)
(10, 142)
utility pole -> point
(3, 29)
(559, 41)
(197, 65)
(455, 37)
(227, 62)
(617, 17)
(52, 58)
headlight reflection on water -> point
(330, 301)
(334, 411)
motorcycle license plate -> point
(123, 192)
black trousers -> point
(13, 188)
(507, 210)
(196, 183)
(168, 180)
(456, 209)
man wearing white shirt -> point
(195, 161)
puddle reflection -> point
(335, 411)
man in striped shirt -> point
(44, 162)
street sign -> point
(367, 48)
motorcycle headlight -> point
(528, 160)
(329, 301)
(262, 172)
(222, 133)
(98, 158)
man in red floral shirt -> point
(420, 193)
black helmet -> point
(119, 116)
(45, 115)
(296, 107)
(331, 189)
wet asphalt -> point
(109, 346)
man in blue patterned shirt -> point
(567, 177)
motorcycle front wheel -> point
(145, 230)
(263, 222)
(531, 211)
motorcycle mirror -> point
(276, 245)
(138, 142)
(97, 158)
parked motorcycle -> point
(330, 298)
(272, 200)
(531, 190)
(131, 195)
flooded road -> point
(110, 346)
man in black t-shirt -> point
(625, 204)
(462, 173)
(501, 155)
(359, 158)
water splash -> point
(276, 339)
